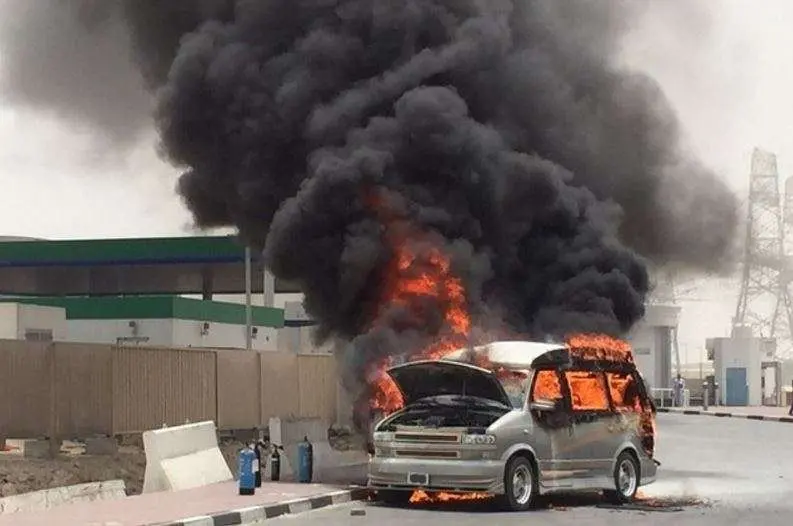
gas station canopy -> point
(139, 266)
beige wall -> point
(77, 390)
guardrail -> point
(664, 397)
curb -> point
(272, 510)
(765, 418)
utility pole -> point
(248, 294)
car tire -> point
(393, 497)
(520, 485)
(626, 478)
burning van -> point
(518, 420)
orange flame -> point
(413, 276)
(411, 280)
(547, 386)
(622, 388)
(387, 396)
(422, 497)
(599, 347)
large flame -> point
(412, 277)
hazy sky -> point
(732, 87)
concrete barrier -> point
(50, 498)
(183, 457)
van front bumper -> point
(486, 476)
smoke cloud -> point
(504, 131)
(72, 59)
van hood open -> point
(417, 380)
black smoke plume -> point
(504, 131)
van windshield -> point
(515, 385)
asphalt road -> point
(714, 472)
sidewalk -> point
(216, 504)
(771, 414)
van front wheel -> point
(520, 485)
(626, 479)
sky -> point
(730, 85)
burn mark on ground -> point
(561, 502)
(659, 504)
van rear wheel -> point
(626, 479)
(520, 485)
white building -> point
(738, 367)
(298, 333)
(653, 344)
(32, 322)
(159, 321)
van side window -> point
(546, 386)
(624, 392)
(587, 391)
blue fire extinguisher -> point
(305, 461)
(247, 471)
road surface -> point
(714, 471)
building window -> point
(38, 335)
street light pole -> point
(248, 310)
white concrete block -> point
(183, 457)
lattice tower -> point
(764, 303)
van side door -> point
(592, 417)
(623, 426)
(557, 445)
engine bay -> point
(445, 412)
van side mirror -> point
(544, 405)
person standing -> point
(677, 391)
(790, 411)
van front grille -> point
(405, 453)
(427, 437)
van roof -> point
(508, 354)
(523, 355)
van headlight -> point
(479, 440)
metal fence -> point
(69, 390)
(665, 397)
